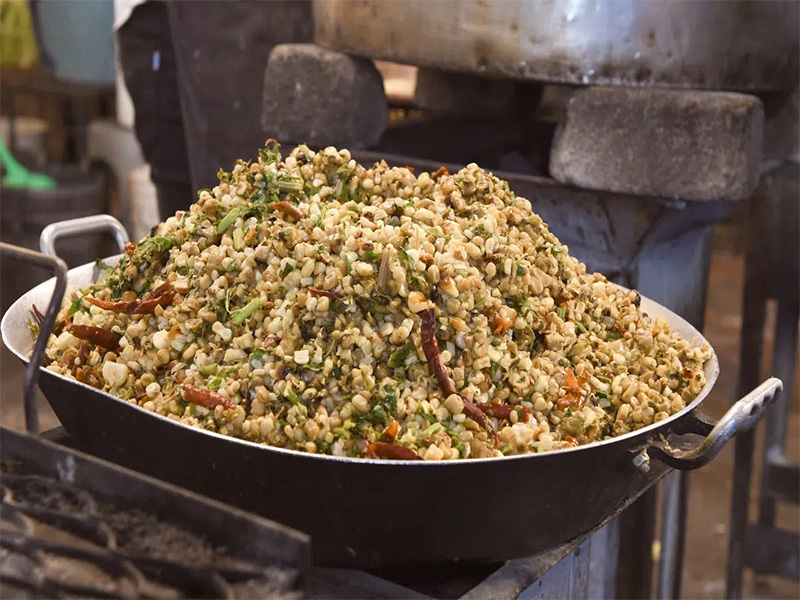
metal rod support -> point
(58, 268)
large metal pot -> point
(372, 513)
(735, 45)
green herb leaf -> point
(215, 384)
(287, 269)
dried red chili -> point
(161, 296)
(503, 411)
(329, 293)
(390, 433)
(431, 349)
(574, 386)
(391, 451)
(96, 335)
(130, 248)
(206, 398)
(37, 314)
(287, 208)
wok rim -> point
(711, 368)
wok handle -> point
(83, 225)
(741, 417)
(59, 268)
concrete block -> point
(693, 145)
(322, 97)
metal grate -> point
(73, 526)
(58, 540)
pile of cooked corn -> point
(312, 303)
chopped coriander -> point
(287, 269)
(399, 357)
(77, 305)
(292, 397)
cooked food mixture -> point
(312, 303)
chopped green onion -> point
(289, 183)
(240, 315)
(430, 430)
(238, 240)
(371, 255)
(561, 311)
(292, 397)
(581, 327)
(348, 265)
(229, 219)
(215, 384)
(344, 431)
(208, 369)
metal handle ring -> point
(83, 225)
(741, 417)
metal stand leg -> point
(785, 350)
(765, 278)
(749, 372)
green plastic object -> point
(18, 176)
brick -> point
(692, 145)
(322, 97)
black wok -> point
(371, 513)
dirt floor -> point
(709, 510)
